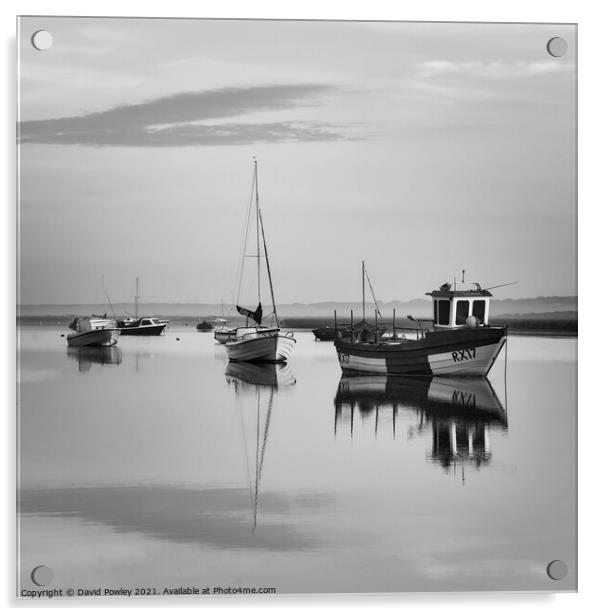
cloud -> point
(491, 70)
(177, 120)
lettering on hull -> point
(464, 354)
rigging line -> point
(241, 259)
(110, 304)
(267, 262)
(373, 296)
(257, 235)
(104, 287)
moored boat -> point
(145, 326)
(461, 341)
(141, 326)
(204, 326)
(345, 332)
(224, 334)
(258, 342)
(90, 333)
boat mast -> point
(265, 252)
(363, 292)
(257, 234)
(136, 299)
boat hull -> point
(264, 347)
(94, 337)
(143, 330)
(465, 352)
(225, 335)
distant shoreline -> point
(527, 325)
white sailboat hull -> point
(93, 337)
(270, 346)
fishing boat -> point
(90, 332)
(460, 342)
(204, 326)
(345, 332)
(141, 326)
(259, 342)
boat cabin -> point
(454, 308)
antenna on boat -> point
(136, 297)
(497, 286)
(463, 276)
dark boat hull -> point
(467, 352)
(143, 330)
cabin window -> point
(146, 322)
(478, 309)
(435, 310)
(461, 312)
(444, 312)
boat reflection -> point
(458, 413)
(243, 374)
(86, 356)
(255, 386)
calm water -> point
(153, 464)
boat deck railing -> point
(266, 333)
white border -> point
(583, 12)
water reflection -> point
(243, 374)
(458, 413)
(255, 386)
(86, 356)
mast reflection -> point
(458, 413)
(255, 386)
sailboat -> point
(141, 326)
(345, 331)
(258, 342)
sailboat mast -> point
(257, 234)
(136, 298)
(267, 261)
(363, 292)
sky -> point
(422, 148)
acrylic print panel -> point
(196, 200)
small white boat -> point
(225, 334)
(258, 342)
(94, 332)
